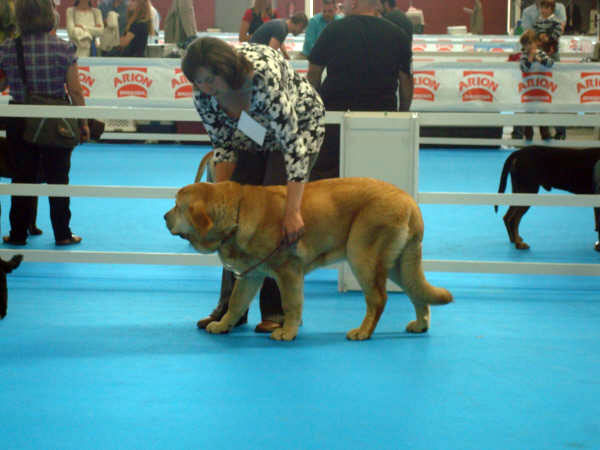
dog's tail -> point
(408, 273)
(504, 176)
(202, 166)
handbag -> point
(54, 132)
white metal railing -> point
(428, 119)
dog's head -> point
(193, 219)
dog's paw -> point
(597, 246)
(284, 334)
(521, 245)
(217, 327)
(416, 327)
(357, 335)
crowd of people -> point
(359, 59)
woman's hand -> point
(84, 132)
(293, 227)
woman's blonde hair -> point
(217, 56)
(34, 16)
(141, 13)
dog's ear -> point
(199, 218)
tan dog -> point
(375, 226)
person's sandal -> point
(72, 240)
(11, 241)
(267, 326)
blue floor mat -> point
(99, 356)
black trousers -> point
(260, 169)
(29, 161)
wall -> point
(227, 14)
(438, 18)
(204, 9)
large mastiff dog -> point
(376, 227)
(576, 171)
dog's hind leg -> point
(408, 273)
(512, 219)
(372, 283)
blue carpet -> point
(102, 356)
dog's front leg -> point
(244, 291)
(291, 286)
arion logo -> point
(86, 80)
(444, 47)
(588, 88)
(537, 87)
(180, 85)
(132, 82)
(425, 85)
(478, 86)
(419, 46)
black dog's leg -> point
(597, 219)
(6, 267)
(597, 210)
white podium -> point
(384, 146)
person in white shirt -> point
(155, 19)
(84, 25)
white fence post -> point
(384, 146)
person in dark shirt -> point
(274, 32)
(254, 17)
(389, 12)
(139, 27)
(367, 59)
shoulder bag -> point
(53, 132)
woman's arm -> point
(126, 39)
(314, 75)
(243, 34)
(97, 30)
(293, 224)
(70, 23)
(77, 98)
(3, 81)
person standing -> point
(532, 13)
(274, 32)
(134, 41)
(117, 6)
(317, 24)
(476, 20)
(254, 17)
(84, 25)
(368, 61)
(180, 22)
(50, 65)
(389, 12)
(255, 83)
(8, 24)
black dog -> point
(573, 170)
(6, 267)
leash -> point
(282, 245)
